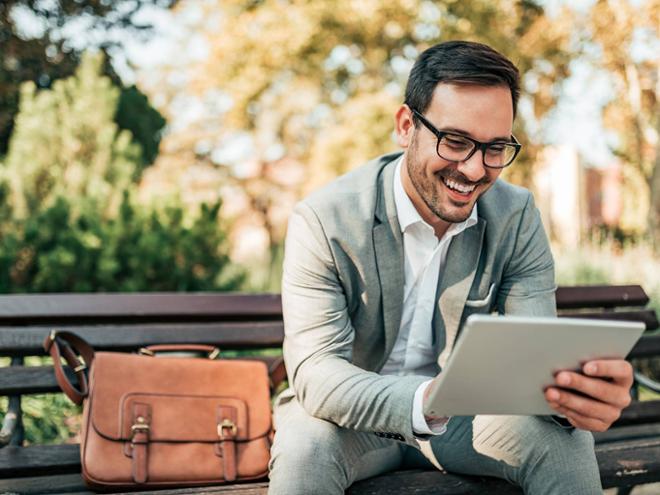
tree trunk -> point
(654, 207)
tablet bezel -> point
(502, 364)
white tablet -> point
(502, 364)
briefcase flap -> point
(185, 399)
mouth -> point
(459, 191)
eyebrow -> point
(454, 130)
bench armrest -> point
(647, 382)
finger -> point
(596, 388)
(557, 407)
(584, 423)
(584, 406)
(619, 370)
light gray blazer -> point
(342, 292)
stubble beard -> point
(427, 188)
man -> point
(382, 268)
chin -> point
(454, 214)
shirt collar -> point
(408, 215)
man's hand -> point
(602, 392)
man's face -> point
(443, 191)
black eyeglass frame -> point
(478, 145)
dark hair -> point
(459, 62)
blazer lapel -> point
(454, 285)
(388, 246)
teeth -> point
(459, 187)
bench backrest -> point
(126, 322)
(236, 321)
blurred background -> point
(150, 145)
(161, 144)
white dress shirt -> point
(424, 258)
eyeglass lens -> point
(456, 148)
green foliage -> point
(69, 217)
(141, 249)
(50, 418)
(47, 418)
(66, 143)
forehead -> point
(482, 112)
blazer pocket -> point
(482, 303)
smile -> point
(457, 186)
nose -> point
(473, 168)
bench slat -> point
(639, 412)
(138, 306)
(600, 296)
(240, 489)
(431, 483)
(192, 306)
(73, 484)
(633, 462)
(62, 483)
(633, 432)
(39, 460)
(17, 380)
(27, 341)
(646, 316)
(647, 346)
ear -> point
(404, 126)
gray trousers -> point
(312, 456)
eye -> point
(496, 149)
(456, 142)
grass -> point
(646, 394)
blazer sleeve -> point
(319, 339)
(528, 281)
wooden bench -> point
(628, 454)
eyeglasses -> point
(458, 148)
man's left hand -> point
(603, 390)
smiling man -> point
(383, 266)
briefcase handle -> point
(276, 370)
(212, 351)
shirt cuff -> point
(420, 427)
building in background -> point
(574, 199)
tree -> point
(135, 114)
(316, 83)
(66, 143)
(349, 62)
(628, 37)
(44, 54)
(69, 216)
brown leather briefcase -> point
(166, 421)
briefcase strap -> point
(69, 346)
